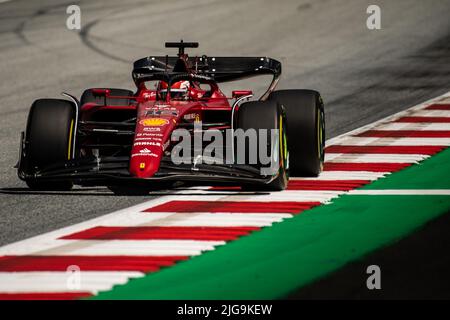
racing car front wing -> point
(114, 171)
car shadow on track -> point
(75, 192)
(107, 193)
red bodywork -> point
(156, 120)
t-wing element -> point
(181, 45)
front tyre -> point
(49, 139)
(306, 125)
(267, 115)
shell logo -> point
(154, 122)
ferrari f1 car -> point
(126, 140)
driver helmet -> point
(178, 90)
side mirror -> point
(101, 92)
(241, 93)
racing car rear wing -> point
(221, 69)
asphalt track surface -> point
(363, 75)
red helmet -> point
(178, 90)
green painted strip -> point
(432, 173)
(277, 260)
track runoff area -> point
(380, 183)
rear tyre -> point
(49, 140)
(89, 97)
(266, 115)
(306, 125)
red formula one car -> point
(178, 127)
